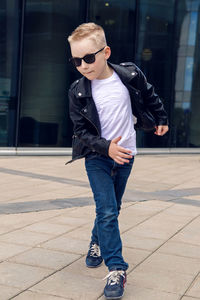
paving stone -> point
(171, 263)
(67, 244)
(165, 217)
(49, 228)
(126, 205)
(65, 283)
(14, 194)
(8, 250)
(21, 276)
(194, 290)
(7, 292)
(123, 227)
(185, 184)
(70, 190)
(137, 293)
(87, 212)
(37, 296)
(79, 267)
(146, 208)
(190, 234)
(68, 221)
(183, 210)
(134, 256)
(45, 258)
(158, 227)
(13, 221)
(23, 237)
(5, 229)
(188, 202)
(137, 214)
(194, 197)
(133, 292)
(189, 298)
(155, 205)
(165, 281)
(140, 242)
(131, 219)
(180, 249)
(83, 233)
(27, 218)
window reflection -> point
(188, 73)
(153, 55)
(9, 46)
(193, 28)
(44, 120)
(187, 90)
(117, 18)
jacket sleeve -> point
(81, 129)
(152, 100)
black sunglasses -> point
(88, 58)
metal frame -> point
(37, 151)
(21, 48)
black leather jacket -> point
(146, 107)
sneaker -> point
(93, 258)
(114, 288)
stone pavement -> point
(46, 215)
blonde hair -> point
(89, 30)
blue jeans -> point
(108, 181)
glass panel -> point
(187, 88)
(154, 56)
(117, 18)
(44, 119)
(9, 42)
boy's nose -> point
(84, 65)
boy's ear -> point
(107, 52)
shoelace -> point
(94, 250)
(114, 276)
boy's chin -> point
(90, 76)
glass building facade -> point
(161, 37)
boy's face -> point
(98, 69)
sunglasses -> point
(88, 58)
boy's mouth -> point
(88, 73)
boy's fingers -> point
(122, 160)
(161, 129)
(119, 162)
(125, 155)
(125, 152)
(121, 149)
(116, 140)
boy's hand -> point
(118, 153)
(161, 129)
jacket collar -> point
(83, 87)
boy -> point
(102, 105)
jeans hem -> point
(94, 242)
(117, 267)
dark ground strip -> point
(44, 177)
(175, 196)
(33, 206)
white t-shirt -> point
(113, 105)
